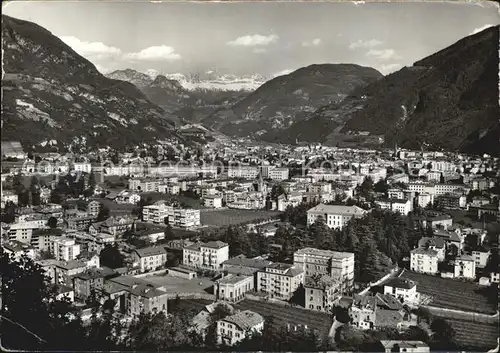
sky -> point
(254, 38)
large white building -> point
(279, 280)
(234, 328)
(424, 260)
(338, 265)
(334, 216)
(208, 255)
(66, 249)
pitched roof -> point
(434, 241)
(388, 318)
(232, 279)
(326, 253)
(388, 302)
(151, 251)
(338, 209)
(421, 251)
(245, 320)
(399, 282)
(243, 261)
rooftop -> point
(400, 283)
(337, 209)
(243, 261)
(326, 253)
(421, 251)
(232, 279)
(245, 320)
(151, 251)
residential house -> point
(362, 310)
(213, 201)
(403, 289)
(201, 322)
(399, 346)
(279, 280)
(92, 279)
(18, 249)
(321, 293)
(481, 257)
(117, 225)
(433, 220)
(424, 261)
(66, 249)
(208, 255)
(145, 298)
(434, 243)
(234, 328)
(150, 258)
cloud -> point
(314, 43)
(480, 29)
(389, 68)
(383, 54)
(91, 50)
(155, 53)
(253, 40)
(282, 72)
(365, 44)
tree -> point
(443, 336)
(381, 186)
(34, 191)
(52, 222)
(17, 184)
(103, 213)
(9, 212)
(169, 233)
(111, 256)
(37, 320)
(91, 185)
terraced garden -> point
(282, 315)
(475, 336)
(452, 294)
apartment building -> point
(233, 287)
(334, 216)
(157, 212)
(143, 185)
(208, 255)
(116, 225)
(66, 249)
(245, 172)
(465, 267)
(424, 261)
(278, 174)
(339, 265)
(424, 199)
(150, 258)
(451, 201)
(184, 218)
(279, 280)
(321, 293)
(481, 257)
(212, 201)
(147, 299)
(395, 205)
(434, 243)
(234, 328)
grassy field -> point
(452, 294)
(231, 216)
(282, 315)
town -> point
(252, 246)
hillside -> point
(190, 105)
(448, 100)
(284, 100)
(50, 93)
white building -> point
(157, 212)
(66, 249)
(150, 258)
(402, 289)
(481, 258)
(395, 205)
(9, 196)
(213, 201)
(234, 328)
(278, 174)
(246, 172)
(176, 217)
(465, 267)
(424, 261)
(334, 216)
(424, 199)
(208, 255)
(279, 280)
(233, 287)
(82, 167)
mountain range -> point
(446, 101)
(50, 93)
